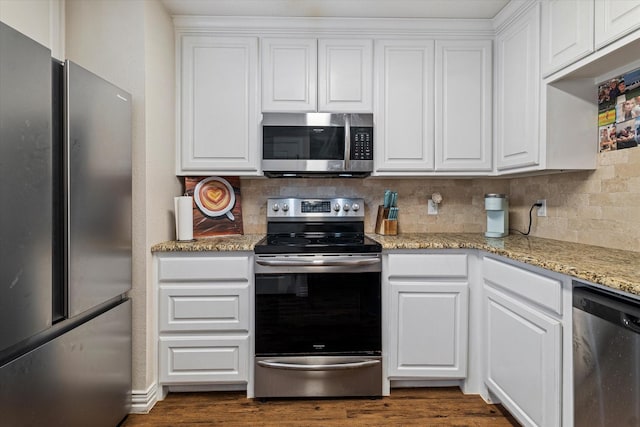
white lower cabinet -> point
(523, 342)
(204, 318)
(428, 315)
(208, 359)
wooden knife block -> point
(385, 226)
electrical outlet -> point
(542, 210)
(432, 207)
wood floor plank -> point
(405, 407)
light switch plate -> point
(432, 207)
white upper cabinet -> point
(218, 110)
(567, 32)
(463, 105)
(289, 74)
(404, 136)
(614, 19)
(518, 91)
(308, 75)
(345, 75)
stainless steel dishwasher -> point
(606, 358)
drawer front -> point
(203, 268)
(212, 308)
(428, 265)
(542, 290)
(206, 359)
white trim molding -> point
(142, 401)
(362, 27)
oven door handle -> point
(289, 262)
(328, 367)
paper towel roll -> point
(184, 217)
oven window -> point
(319, 313)
(302, 142)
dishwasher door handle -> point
(317, 367)
(631, 322)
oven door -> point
(318, 325)
(318, 305)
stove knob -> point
(346, 207)
(285, 207)
(356, 207)
(275, 207)
(336, 207)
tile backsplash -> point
(600, 207)
(461, 210)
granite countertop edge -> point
(613, 268)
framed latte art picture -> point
(217, 208)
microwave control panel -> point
(361, 143)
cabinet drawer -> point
(198, 308)
(206, 359)
(203, 268)
(542, 290)
(428, 265)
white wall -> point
(42, 20)
(161, 183)
(130, 43)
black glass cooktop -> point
(316, 237)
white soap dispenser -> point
(497, 207)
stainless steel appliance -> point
(65, 241)
(606, 358)
(318, 306)
(317, 144)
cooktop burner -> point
(288, 240)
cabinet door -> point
(209, 307)
(428, 336)
(218, 106)
(463, 96)
(345, 75)
(614, 19)
(518, 81)
(289, 74)
(404, 107)
(203, 359)
(523, 359)
(567, 32)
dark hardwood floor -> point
(405, 407)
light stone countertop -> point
(244, 242)
(613, 268)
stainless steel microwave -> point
(317, 144)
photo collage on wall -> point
(619, 112)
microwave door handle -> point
(347, 142)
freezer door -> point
(81, 378)
(25, 187)
(98, 174)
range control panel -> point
(361, 143)
(298, 208)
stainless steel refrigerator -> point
(65, 241)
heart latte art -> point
(214, 196)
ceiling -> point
(339, 8)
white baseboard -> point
(143, 400)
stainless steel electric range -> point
(318, 305)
